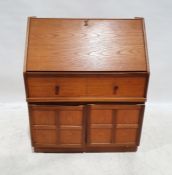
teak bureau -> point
(86, 83)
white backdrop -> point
(13, 18)
(154, 155)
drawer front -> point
(114, 125)
(57, 126)
(54, 87)
(117, 86)
(90, 88)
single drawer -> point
(86, 87)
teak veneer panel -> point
(86, 83)
(57, 126)
(114, 124)
(98, 44)
(68, 126)
(86, 86)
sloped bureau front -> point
(86, 83)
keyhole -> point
(115, 89)
(86, 22)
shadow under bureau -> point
(86, 83)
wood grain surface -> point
(86, 83)
(57, 126)
(113, 125)
(86, 45)
(66, 126)
(100, 86)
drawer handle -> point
(57, 90)
(115, 89)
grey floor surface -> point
(153, 157)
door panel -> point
(126, 135)
(127, 116)
(71, 136)
(43, 117)
(114, 124)
(57, 126)
(70, 118)
(100, 136)
(99, 117)
(45, 137)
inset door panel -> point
(45, 137)
(43, 117)
(129, 116)
(71, 136)
(74, 118)
(100, 136)
(101, 117)
(125, 136)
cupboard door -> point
(114, 125)
(57, 126)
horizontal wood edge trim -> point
(54, 127)
(134, 18)
(127, 126)
(69, 127)
(112, 144)
(58, 146)
(55, 107)
(104, 106)
(124, 148)
(84, 99)
(44, 127)
(93, 126)
(89, 145)
(101, 126)
(80, 73)
(117, 126)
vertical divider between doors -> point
(87, 135)
(114, 113)
(57, 115)
(84, 129)
(86, 119)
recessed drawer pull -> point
(115, 89)
(57, 90)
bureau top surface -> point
(85, 45)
